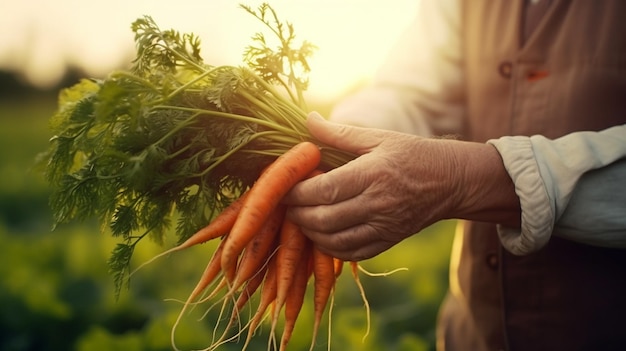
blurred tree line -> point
(14, 85)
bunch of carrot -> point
(263, 251)
(176, 136)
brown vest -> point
(569, 75)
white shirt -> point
(420, 86)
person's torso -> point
(569, 75)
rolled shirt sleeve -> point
(573, 185)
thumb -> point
(357, 140)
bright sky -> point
(353, 36)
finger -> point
(364, 252)
(353, 244)
(335, 217)
(344, 137)
(331, 187)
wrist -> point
(485, 191)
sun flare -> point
(352, 36)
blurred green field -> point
(56, 293)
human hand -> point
(399, 185)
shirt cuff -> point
(538, 209)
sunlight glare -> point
(352, 36)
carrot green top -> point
(174, 137)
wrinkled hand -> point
(399, 185)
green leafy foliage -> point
(167, 50)
(274, 65)
(175, 139)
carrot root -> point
(357, 280)
(295, 298)
(324, 282)
(271, 186)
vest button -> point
(492, 261)
(505, 69)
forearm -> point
(399, 185)
(486, 192)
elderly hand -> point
(398, 185)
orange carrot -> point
(218, 227)
(273, 184)
(295, 298)
(258, 249)
(267, 296)
(291, 246)
(338, 264)
(211, 271)
(324, 282)
(250, 288)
